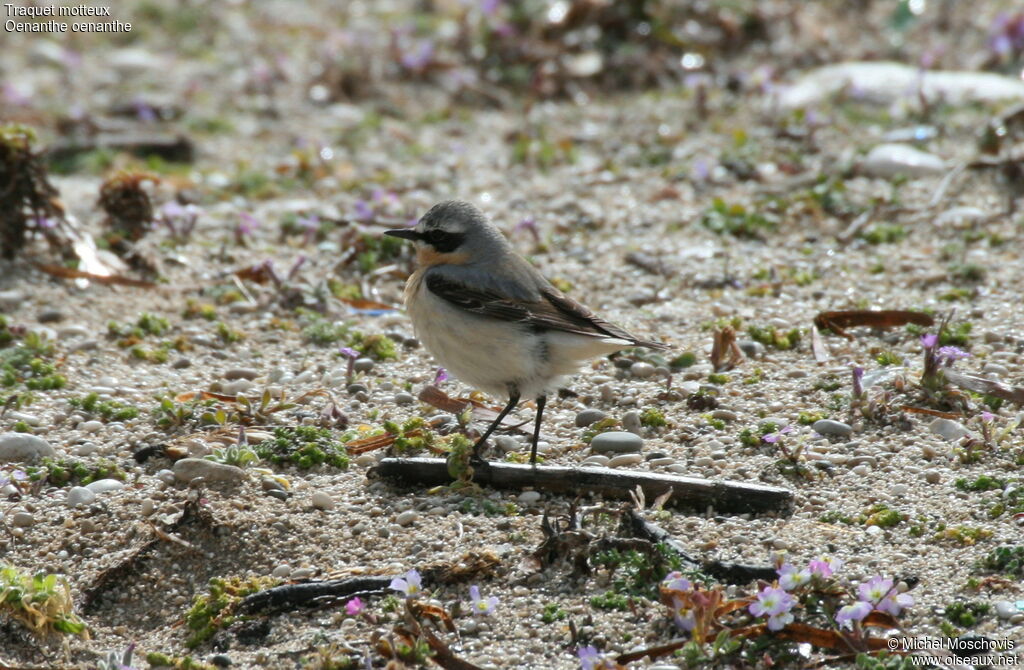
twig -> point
(727, 497)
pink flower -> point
(825, 568)
(481, 606)
(354, 607)
(850, 613)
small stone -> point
(353, 389)
(23, 448)
(50, 316)
(322, 501)
(72, 330)
(932, 477)
(22, 519)
(30, 419)
(411, 343)
(87, 526)
(241, 373)
(363, 364)
(181, 363)
(830, 427)
(597, 460)
(948, 429)
(147, 507)
(631, 422)
(236, 387)
(616, 442)
(1004, 608)
(507, 443)
(79, 495)
(589, 416)
(529, 497)
(641, 369)
(862, 470)
(166, 476)
(271, 484)
(899, 490)
(407, 517)
(625, 459)
(279, 494)
(874, 531)
(302, 573)
(11, 299)
(704, 462)
(188, 469)
(751, 348)
(282, 571)
(404, 399)
(105, 485)
(960, 215)
(90, 426)
(890, 160)
(724, 415)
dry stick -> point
(290, 596)
(731, 573)
(727, 497)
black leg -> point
(541, 401)
(513, 400)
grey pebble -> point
(932, 477)
(271, 484)
(79, 495)
(241, 373)
(30, 419)
(322, 501)
(411, 343)
(363, 364)
(90, 426)
(188, 469)
(353, 389)
(616, 442)
(660, 462)
(22, 519)
(50, 316)
(166, 476)
(529, 497)
(148, 506)
(105, 485)
(597, 460)
(631, 422)
(751, 348)
(11, 299)
(641, 369)
(948, 429)
(589, 416)
(282, 571)
(830, 427)
(724, 415)
(862, 470)
(23, 448)
(704, 462)
(625, 459)
(279, 494)
(366, 460)
(506, 443)
(407, 517)
(1005, 609)
(181, 363)
(302, 573)
(404, 399)
(237, 386)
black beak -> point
(404, 233)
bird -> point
(491, 319)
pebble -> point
(241, 373)
(641, 369)
(625, 459)
(890, 160)
(353, 389)
(996, 369)
(948, 429)
(589, 416)
(72, 330)
(529, 497)
(50, 316)
(660, 462)
(862, 470)
(303, 573)
(751, 348)
(958, 215)
(166, 476)
(704, 461)
(724, 415)
(507, 443)
(105, 485)
(236, 387)
(282, 571)
(830, 427)
(363, 364)
(1005, 609)
(79, 495)
(279, 494)
(932, 477)
(631, 422)
(90, 426)
(30, 419)
(11, 299)
(597, 460)
(404, 399)
(899, 490)
(407, 517)
(181, 363)
(616, 442)
(23, 448)
(22, 519)
(148, 506)
(322, 501)
(188, 469)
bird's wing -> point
(552, 311)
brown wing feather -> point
(554, 311)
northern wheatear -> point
(491, 319)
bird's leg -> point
(513, 400)
(541, 401)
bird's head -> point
(456, 233)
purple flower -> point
(894, 603)
(949, 354)
(419, 57)
(850, 613)
(858, 377)
(987, 416)
(825, 568)
(440, 376)
(363, 210)
(349, 352)
(776, 604)
(247, 225)
(591, 659)
(875, 589)
(411, 585)
(791, 578)
(674, 581)
(772, 438)
(929, 340)
(683, 615)
(45, 222)
(490, 7)
(481, 606)
(354, 607)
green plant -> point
(736, 220)
(966, 614)
(882, 516)
(42, 602)
(683, 360)
(303, 446)
(108, 410)
(883, 233)
(610, 600)
(72, 472)
(214, 610)
(982, 483)
(653, 418)
(552, 613)
(772, 337)
(1006, 560)
(888, 357)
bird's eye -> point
(435, 236)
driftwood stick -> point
(290, 596)
(725, 497)
(730, 573)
